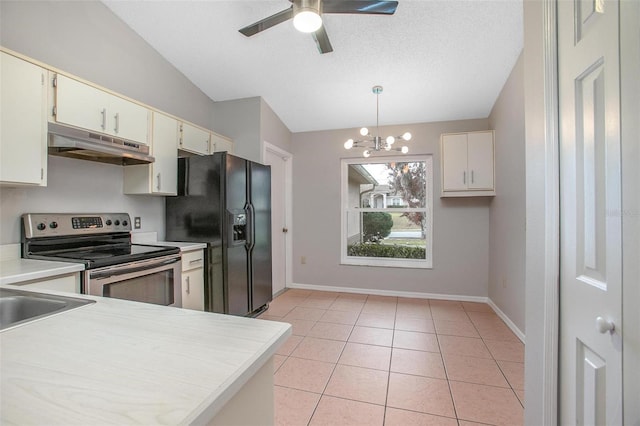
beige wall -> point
(461, 226)
(507, 211)
(86, 39)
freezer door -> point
(260, 198)
(236, 255)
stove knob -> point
(108, 222)
(125, 223)
(53, 225)
(117, 222)
(41, 226)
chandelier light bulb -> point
(406, 136)
(390, 140)
(348, 144)
(366, 153)
(364, 131)
(405, 149)
(387, 147)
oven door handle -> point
(150, 266)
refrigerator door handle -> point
(251, 215)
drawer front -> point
(192, 260)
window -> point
(387, 211)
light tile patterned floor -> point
(355, 359)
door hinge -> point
(54, 111)
(41, 173)
(55, 81)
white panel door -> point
(590, 370)
(454, 164)
(480, 160)
(279, 226)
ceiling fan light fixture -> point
(307, 21)
(306, 15)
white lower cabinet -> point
(23, 122)
(193, 280)
(161, 176)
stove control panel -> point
(56, 224)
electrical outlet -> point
(303, 260)
(137, 222)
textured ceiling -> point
(437, 60)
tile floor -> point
(355, 359)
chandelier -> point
(375, 143)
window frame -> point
(345, 259)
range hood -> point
(66, 141)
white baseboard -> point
(507, 320)
(416, 295)
(396, 293)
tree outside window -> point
(386, 204)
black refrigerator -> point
(225, 202)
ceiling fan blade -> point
(322, 40)
(369, 7)
(267, 23)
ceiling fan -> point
(306, 15)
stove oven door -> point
(156, 280)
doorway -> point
(281, 189)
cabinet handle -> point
(104, 118)
(159, 185)
(472, 176)
(464, 178)
(188, 286)
(117, 117)
(191, 262)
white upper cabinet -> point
(23, 122)
(467, 164)
(81, 105)
(159, 177)
(194, 139)
(221, 143)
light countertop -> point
(20, 270)
(122, 362)
(152, 239)
(183, 246)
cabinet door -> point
(220, 143)
(194, 139)
(23, 122)
(454, 162)
(480, 160)
(193, 289)
(128, 120)
(165, 151)
(81, 105)
(159, 177)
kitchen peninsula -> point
(122, 362)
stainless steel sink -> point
(18, 307)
